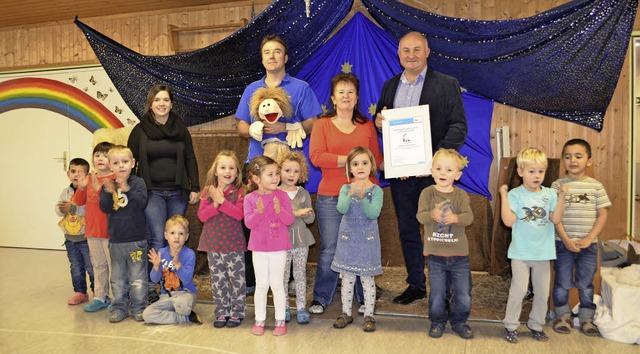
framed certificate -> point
(406, 139)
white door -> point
(34, 143)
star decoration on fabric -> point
(372, 109)
(346, 67)
(324, 108)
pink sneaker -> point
(257, 330)
(77, 299)
(280, 330)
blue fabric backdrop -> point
(563, 63)
(209, 82)
(364, 49)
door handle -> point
(62, 159)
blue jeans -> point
(80, 260)
(449, 273)
(129, 276)
(575, 269)
(328, 224)
(161, 205)
(405, 194)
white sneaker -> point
(361, 309)
(316, 308)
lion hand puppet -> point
(268, 106)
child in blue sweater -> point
(173, 267)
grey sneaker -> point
(117, 316)
(138, 317)
(316, 308)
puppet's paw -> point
(255, 130)
(295, 134)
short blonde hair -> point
(453, 155)
(177, 220)
(297, 157)
(531, 155)
(119, 150)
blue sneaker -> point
(287, 315)
(302, 316)
(97, 305)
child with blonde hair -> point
(268, 213)
(294, 170)
(531, 210)
(445, 211)
(124, 200)
(358, 248)
(173, 268)
(223, 239)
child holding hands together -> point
(268, 213)
(531, 210)
(358, 247)
(173, 267)
(445, 211)
(576, 238)
(223, 239)
(294, 169)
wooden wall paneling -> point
(163, 39)
(7, 49)
(478, 8)
(31, 45)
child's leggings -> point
(269, 271)
(368, 286)
(297, 256)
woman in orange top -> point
(333, 136)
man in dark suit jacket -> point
(419, 85)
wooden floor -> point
(34, 318)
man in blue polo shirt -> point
(305, 104)
(305, 110)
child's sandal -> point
(369, 324)
(589, 328)
(562, 325)
(342, 321)
(540, 336)
(511, 336)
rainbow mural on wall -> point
(58, 97)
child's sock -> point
(102, 298)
